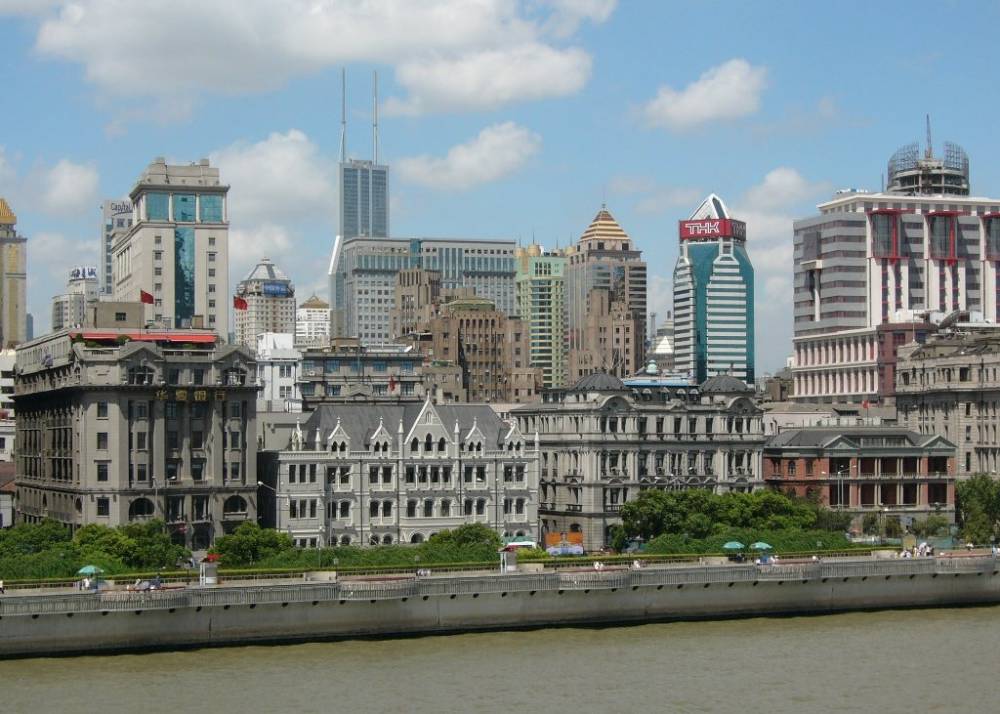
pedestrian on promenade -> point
(2, 591)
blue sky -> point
(499, 118)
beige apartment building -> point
(13, 279)
(116, 426)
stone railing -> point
(405, 587)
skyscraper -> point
(364, 204)
(13, 279)
(874, 270)
(713, 296)
(270, 304)
(541, 303)
(177, 249)
(82, 288)
(116, 219)
(605, 301)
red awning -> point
(150, 336)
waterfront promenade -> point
(323, 606)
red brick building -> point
(865, 469)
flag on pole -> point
(146, 298)
(239, 303)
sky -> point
(499, 118)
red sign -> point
(713, 228)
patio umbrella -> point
(760, 545)
(89, 570)
(734, 545)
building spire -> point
(930, 150)
(375, 146)
(343, 115)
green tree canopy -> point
(978, 503)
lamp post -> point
(273, 490)
(840, 488)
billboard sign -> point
(275, 289)
(713, 228)
(83, 272)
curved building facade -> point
(713, 296)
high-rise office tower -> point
(177, 250)
(13, 279)
(270, 304)
(82, 290)
(713, 296)
(874, 270)
(116, 219)
(364, 201)
(366, 270)
(605, 301)
(541, 304)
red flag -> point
(146, 298)
(864, 404)
(239, 303)
(392, 383)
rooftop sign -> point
(713, 228)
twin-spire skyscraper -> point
(364, 201)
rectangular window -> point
(234, 440)
(197, 439)
(184, 208)
(235, 410)
(198, 469)
(183, 276)
(102, 410)
(102, 440)
(103, 507)
(345, 509)
(102, 472)
(141, 472)
(234, 472)
(210, 208)
(173, 439)
(157, 206)
(140, 440)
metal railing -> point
(409, 586)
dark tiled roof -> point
(724, 384)
(599, 382)
(813, 437)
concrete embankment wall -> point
(264, 614)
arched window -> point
(374, 539)
(345, 540)
(429, 443)
(415, 445)
(442, 444)
(234, 504)
(79, 506)
(343, 447)
(479, 447)
(385, 447)
(387, 539)
(140, 508)
(575, 528)
(416, 538)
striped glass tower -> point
(713, 296)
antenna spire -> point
(343, 115)
(930, 151)
(375, 117)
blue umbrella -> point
(734, 545)
(760, 545)
(89, 570)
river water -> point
(910, 661)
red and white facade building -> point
(877, 270)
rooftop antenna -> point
(343, 115)
(375, 117)
(930, 152)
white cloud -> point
(660, 297)
(497, 151)
(653, 198)
(280, 178)
(729, 91)
(267, 240)
(568, 15)
(782, 187)
(168, 51)
(489, 79)
(69, 188)
(53, 254)
(769, 209)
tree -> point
(250, 544)
(870, 524)
(931, 526)
(978, 505)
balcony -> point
(612, 507)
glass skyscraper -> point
(364, 199)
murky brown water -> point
(914, 661)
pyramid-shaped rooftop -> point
(604, 227)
